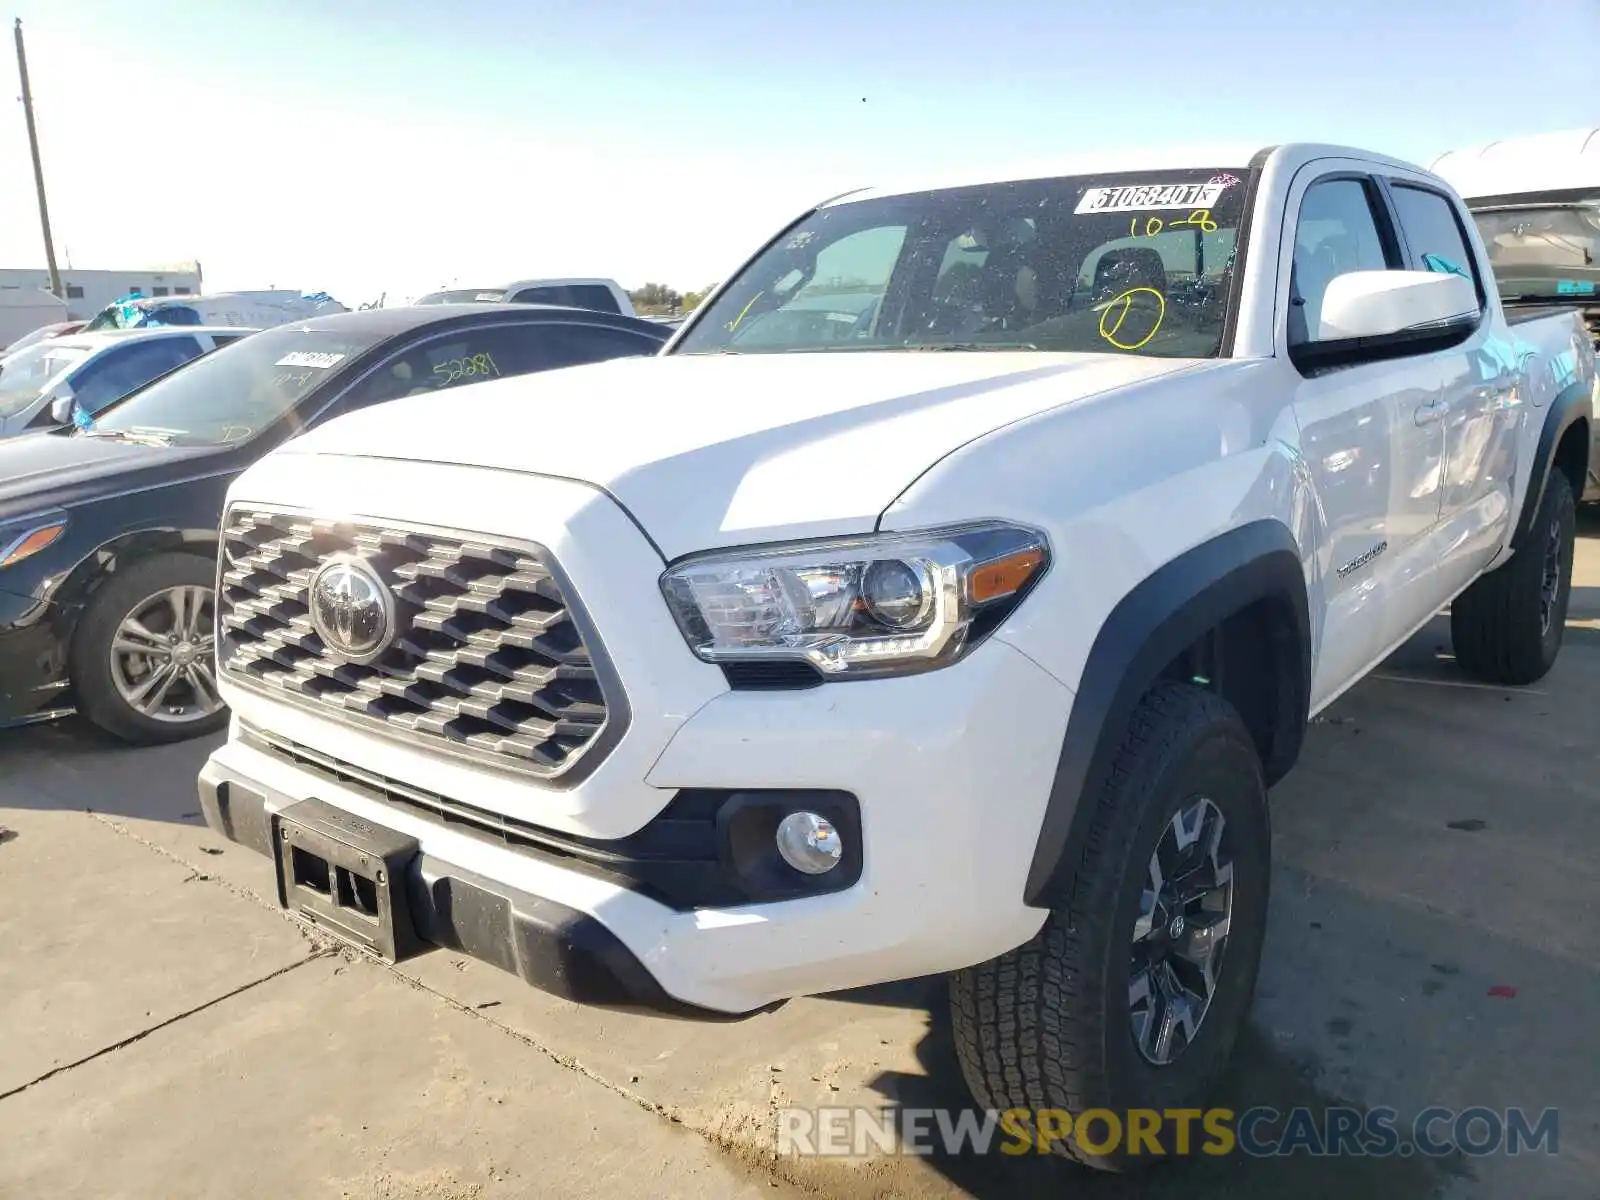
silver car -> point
(57, 381)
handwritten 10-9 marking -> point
(1199, 219)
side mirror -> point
(1376, 304)
(1371, 315)
(61, 405)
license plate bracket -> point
(346, 876)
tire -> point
(1050, 1025)
(1507, 627)
(103, 676)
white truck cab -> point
(600, 295)
(944, 599)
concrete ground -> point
(165, 1031)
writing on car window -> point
(1131, 264)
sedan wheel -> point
(163, 656)
(143, 658)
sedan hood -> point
(45, 470)
(721, 450)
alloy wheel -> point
(162, 656)
(1550, 581)
(1185, 911)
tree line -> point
(658, 299)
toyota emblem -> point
(352, 609)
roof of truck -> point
(1230, 156)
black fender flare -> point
(1572, 404)
(1150, 627)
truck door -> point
(1372, 445)
(1476, 404)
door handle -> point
(1428, 414)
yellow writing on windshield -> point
(1116, 311)
(1199, 219)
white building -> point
(87, 292)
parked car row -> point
(108, 523)
(943, 597)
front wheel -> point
(143, 659)
(1132, 995)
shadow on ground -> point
(70, 766)
(1262, 1074)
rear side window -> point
(1434, 235)
(1337, 233)
(578, 295)
(495, 352)
(572, 345)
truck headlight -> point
(883, 604)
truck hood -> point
(718, 450)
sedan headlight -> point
(884, 604)
(26, 536)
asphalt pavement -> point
(164, 1030)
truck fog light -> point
(809, 843)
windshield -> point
(232, 394)
(1134, 263)
(1544, 246)
(26, 373)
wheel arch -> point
(1246, 583)
(1563, 446)
(116, 554)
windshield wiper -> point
(975, 346)
(122, 435)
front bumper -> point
(950, 772)
(554, 948)
(951, 769)
(33, 667)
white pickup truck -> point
(944, 599)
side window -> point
(579, 295)
(494, 352)
(1337, 233)
(1434, 235)
(571, 345)
(541, 295)
(114, 374)
(225, 339)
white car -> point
(51, 382)
(944, 599)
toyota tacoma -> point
(943, 599)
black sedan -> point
(108, 533)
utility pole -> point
(38, 169)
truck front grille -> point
(484, 657)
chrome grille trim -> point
(492, 658)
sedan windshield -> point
(1544, 246)
(1133, 263)
(26, 373)
(235, 393)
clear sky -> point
(361, 146)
